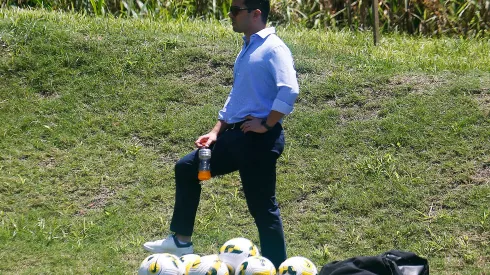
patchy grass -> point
(387, 148)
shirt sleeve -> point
(222, 112)
(281, 65)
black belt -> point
(235, 126)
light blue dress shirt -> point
(264, 79)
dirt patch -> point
(168, 158)
(483, 100)
(48, 163)
(357, 113)
(100, 200)
(144, 141)
(417, 83)
(482, 176)
(47, 94)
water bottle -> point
(204, 164)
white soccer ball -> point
(161, 264)
(256, 265)
(209, 264)
(212, 257)
(187, 261)
(234, 251)
(297, 266)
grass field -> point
(388, 147)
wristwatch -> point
(264, 123)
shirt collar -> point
(265, 32)
(262, 33)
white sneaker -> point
(169, 245)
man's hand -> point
(211, 137)
(206, 140)
(253, 124)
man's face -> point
(242, 18)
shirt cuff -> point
(282, 107)
(221, 115)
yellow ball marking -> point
(154, 268)
(196, 263)
(254, 251)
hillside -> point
(388, 146)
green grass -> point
(388, 147)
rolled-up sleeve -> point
(222, 112)
(281, 66)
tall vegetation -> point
(468, 18)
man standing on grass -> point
(248, 136)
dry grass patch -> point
(418, 84)
(482, 176)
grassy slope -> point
(388, 147)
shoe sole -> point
(166, 251)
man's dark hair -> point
(262, 5)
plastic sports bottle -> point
(204, 164)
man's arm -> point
(209, 138)
(273, 118)
(255, 124)
(281, 66)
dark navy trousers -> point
(254, 156)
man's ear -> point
(257, 14)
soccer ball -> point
(213, 257)
(205, 265)
(161, 264)
(256, 265)
(297, 266)
(187, 261)
(234, 251)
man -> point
(248, 136)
